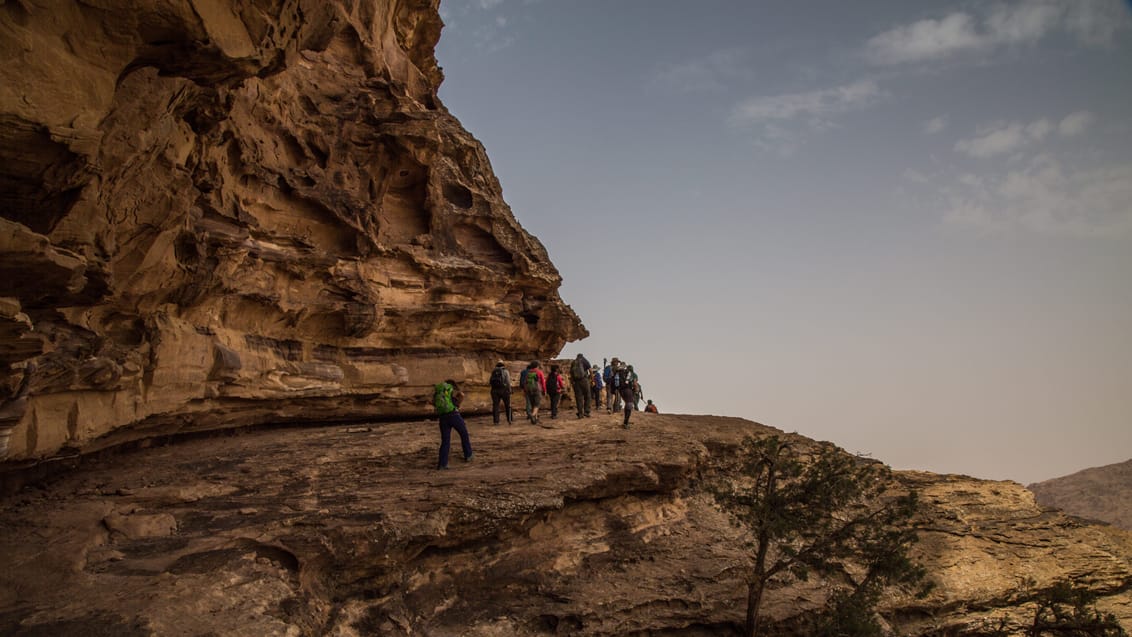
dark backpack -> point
(442, 399)
(623, 380)
(497, 381)
(577, 370)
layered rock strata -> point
(580, 529)
(217, 213)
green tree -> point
(1065, 610)
(817, 513)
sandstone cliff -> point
(1100, 493)
(217, 213)
(580, 529)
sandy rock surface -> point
(578, 527)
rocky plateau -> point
(577, 528)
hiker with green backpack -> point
(446, 399)
(534, 386)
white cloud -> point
(935, 125)
(713, 72)
(815, 105)
(924, 40)
(1075, 123)
(1000, 140)
(1090, 22)
(1005, 138)
(1024, 22)
(783, 121)
(1045, 197)
(1039, 129)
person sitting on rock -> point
(650, 408)
(446, 399)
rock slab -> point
(584, 528)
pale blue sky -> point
(903, 227)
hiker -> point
(635, 385)
(615, 381)
(596, 386)
(555, 385)
(650, 408)
(500, 392)
(580, 378)
(534, 386)
(446, 398)
(625, 387)
(607, 378)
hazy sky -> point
(905, 227)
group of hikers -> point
(615, 381)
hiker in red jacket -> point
(555, 385)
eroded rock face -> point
(1100, 493)
(218, 213)
(583, 528)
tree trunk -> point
(754, 599)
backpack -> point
(607, 374)
(532, 382)
(623, 379)
(442, 399)
(497, 381)
(577, 370)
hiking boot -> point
(440, 468)
(468, 458)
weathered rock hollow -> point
(228, 213)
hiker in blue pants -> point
(446, 398)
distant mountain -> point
(1100, 493)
